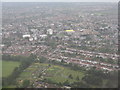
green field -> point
(53, 73)
(59, 74)
(8, 67)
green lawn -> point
(8, 67)
(59, 74)
(10, 86)
(31, 72)
(54, 73)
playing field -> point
(8, 67)
(52, 73)
(59, 74)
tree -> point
(62, 61)
(49, 65)
(70, 76)
(26, 83)
(80, 85)
(93, 80)
(43, 59)
(66, 82)
(77, 78)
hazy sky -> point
(60, 0)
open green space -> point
(8, 67)
(49, 73)
(10, 86)
(31, 73)
(59, 74)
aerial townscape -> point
(59, 45)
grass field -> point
(53, 73)
(59, 74)
(10, 86)
(8, 67)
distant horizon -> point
(114, 1)
(60, 2)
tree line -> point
(25, 62)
